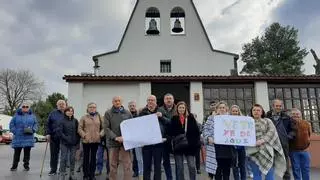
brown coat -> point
(90, 128)
(303, 133)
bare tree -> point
(17, 86)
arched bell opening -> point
(177, 21)
(152, 21)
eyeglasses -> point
(25, 106)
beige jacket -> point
(90, 128)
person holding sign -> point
(239, 170)
(153, 152)
(267, 156)
(224, 154)
(186, 140)
(112, 119)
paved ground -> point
(6, 154)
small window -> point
(165, 66)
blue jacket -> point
(53, 120)
(17, 124)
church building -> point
(165, 49)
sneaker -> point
(198, 171)
(135, 175)
(52, 173)
(13, 169)
(26, 168)
(251, 176)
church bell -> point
(177, 27)
(153, 27)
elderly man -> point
(153, 152)
(112, 120)
(285, 129)
(300, 157)
(53, 120)
(167, 111)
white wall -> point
(102, 94)
(190, 54)
(196, 106)
(145, 91)
(75, 99)
(261, 94)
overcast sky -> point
(57, 37)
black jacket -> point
(162, 121)
(193, 134)
(285, 128)
(68, 131)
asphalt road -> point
(6, 154)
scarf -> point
(182, 119)
(93, 113)
(270, 154)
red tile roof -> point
(212, 78)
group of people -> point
(280, 138)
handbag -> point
(27, 130)
(180, 141)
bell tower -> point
(169, 36)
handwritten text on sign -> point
(234, 130)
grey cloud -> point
(44, 37)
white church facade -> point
(165, 49)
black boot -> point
(13, 168)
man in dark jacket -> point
(153, 152)
(167, 111)
(53, 120)
(212, 111)
(285, 129)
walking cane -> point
(44, 157)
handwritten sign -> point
(234, 130)
(141, 131)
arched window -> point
(152, 21)
(177, 20)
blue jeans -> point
(68, 153)
(257, 175)
(300, 162)
(166, 160)
(100, 160)
(180, 167)
(139, 157)
(239, 171)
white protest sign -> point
(234, 130)
(140, 131)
